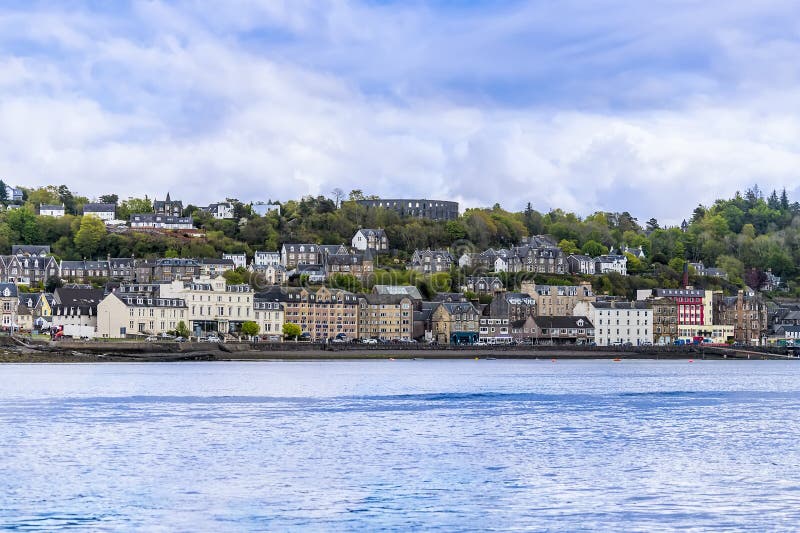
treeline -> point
(751, 232)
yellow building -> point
(385, 316)
(718, 333)
(121, 315)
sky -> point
(648, 107)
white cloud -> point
(184, 105)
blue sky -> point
(650, 107)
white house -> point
(9, 301)
(75, 311)
(370, 239)
(221, 211)
(239, 260)
(617, 323)
(611, 263)
(154, 221)
(261, 209)
(636, 252)
(49, 210)
(269, 317)
(262, 259)
(580, 264)
(105, 212)
(14, 194)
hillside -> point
(745, 235)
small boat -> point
(617, 359)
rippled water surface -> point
(399, 445)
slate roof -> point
(69, 297)
(8, 290)
(99, 208)
(407, 290)
(561, 322)
(30, 249)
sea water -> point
(401, 445)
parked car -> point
(213, 338)
(369, 341)
(179, 339)
(151, 338)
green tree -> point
(593, 249)
(89, 236)
(3, 193)
(52, 283)
(24, 226)
(182, 330)
(67, 198)
(109, 199)
(250, 329)
(634, 264)
(291, 331)
(43, 195)
(569, 247)
(237, 276)
(134, 205)
(676, 264)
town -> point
(364, 290)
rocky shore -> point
(22, 351)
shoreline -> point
(32, 356)
(20, 350)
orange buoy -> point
(617, 360)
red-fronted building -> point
(691, 308)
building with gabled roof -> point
(52, 210)
(168, 207)
(455, 323)
(370, 239)
(103, 211)
(431, 261)
(122, 315)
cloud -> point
(649, 109)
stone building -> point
(558, 300)
(746, 312)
